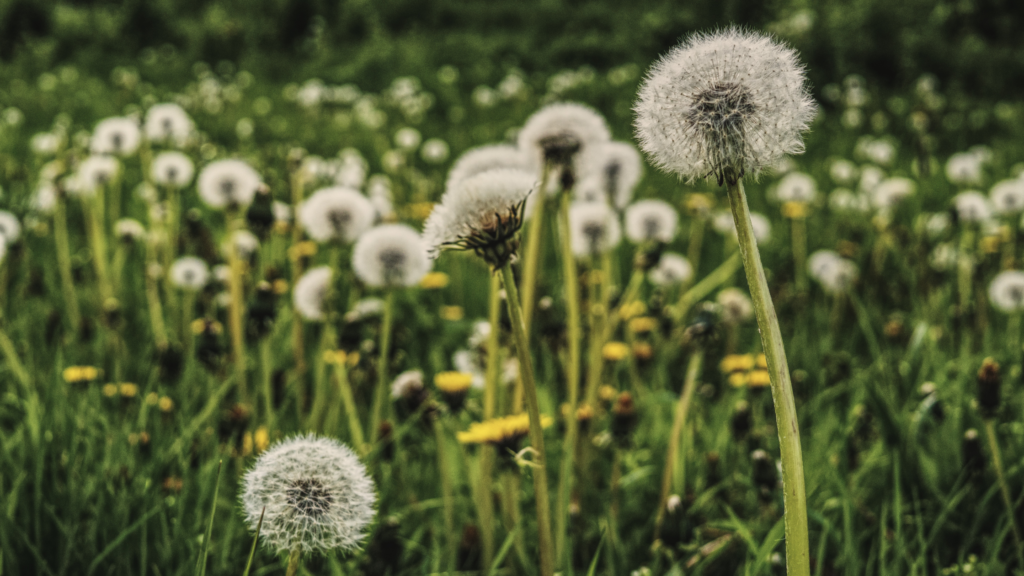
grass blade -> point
(120, 538)
(201, 562)
(255, 540)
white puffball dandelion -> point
(116, 135)
(434, 151)
(972, 206)
(484, 158)
(390, 255)
(559, 133)
(870, 178)
(309, 295)
(796, 187)
(593, 229)
(407, 384)
(129, 230)
(282, 212)
(672, 269)
(1008, 196)
(651, 221)
(889, 192)
(93, 173)
(245, 243)
(190, 273)
(835, 273)
(846, 201)
(228, 184)
(10, 227)
(336, 214)
(616, 167)
(843, 172)
(408, 138)
(172, 169)
(965, 169)
(736, 306)
(723, 104)
(1006, 291)
(312, 493)
(482, 213)
(44, 199)
(935, 225)
(168, 123)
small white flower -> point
(336, 214)
(617, 168)
(390, 255)
(352, 169)
(484, 158)
(1008, 196)
(560, 133)
(944, 257)
(94, 172)
(10, 227)
(282, 212)
(843, 172)
(972, 206)
(190, 273)
(835, 273)
(843, 200)
(819, 261)
(1006, 291)
(593, 229)
(935, 225)
(312, 493)
(796, 187)
(880, 152)
(116, 135)
(889, 192)
(651, 221)
(672, 269)
(736, 306)
(408, 138)
(168, 123)
(228, 184)
(45, 143)
(965, 169)
(407, 384)
(309, 296)
(870, 178)
(173, 169)
(434, 151)
(129, 229)
(728, 101)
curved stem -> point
(485, 496)
(531, 255)
(540, 477)
(794, 496)
(237, 309)
(380, 396)
(997, 463)
(678, 423)
(60, 237)
(706, 286)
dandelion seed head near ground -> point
(390, 255)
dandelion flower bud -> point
(228, 184)
(651, 221)
(1006, 291)
(484, 158)
(989, 388)
(312, 493)
(558, 133)
(336, 214)
(593, 229)
(391, 255)
(190, 273)
(1008, 196)
(310, 293)
(168, 123)
(116, 135)
(672, 269)
(173, 169)
(616, 167)
(482, 213)
(723, 104)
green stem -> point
(678, 424)
(572, 299)
(798, 231)
(294, 561)
(706, 286)
(60, 237)
(11, 355)
(697, 226)
(237, 308)
(98, 244)
(447, 495)
(485, 496)
(794, 496)
(540, 477)
(598, 333)
(266, 375)
(380, 395)
(355, 427)
(531, 249)
(1004, 488)
(156, 312)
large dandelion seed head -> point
(120, 136)
(1006, 291)
(559, 133)
(390, 255)
(1008, 196)
(593, 229)
(228, 184)
(311, 492)
(616, 167)
(483, 213)
(173, 169)
(309, 296)
(190, 273)
(484, 158)
(651, 221)
(338, 214)
(168, 123)
(965, 169)
(722, 105)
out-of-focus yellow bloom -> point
(759, 378)
(335, 356)
(607, 393)
(152, 399)
(453, 382)
(302, 249)
(261, 439)
(110, 390)
(738, 379)
(199, 326)
(795, 210)
(281, 227)
(643, 351)
(420, 210)
(989, 244)
(584, 412)
(614, 351)
(280, 286)
(698, 204)
(434, 281)
(642, 324)
(632, 309)
(246, 444)
(736, 363)
(166, 404)
(500, 430)
(128, 390)
(80, 374)
(452, 313)
(762, 362)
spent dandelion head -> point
(228, 184)
(309, 296)
(1006, 291)
(616, 167)
(10, 227)
(390, 255)
(796, 187)
(651, 221)
(972, 207)
(337, 214)
(168, 123)
(724, 104)
(1007, 196)
(593, 229)
(312, 492)
(126, 230)
(190, 273)
(119, 136)
(558, 134)
(93, 173)
(484, 158)
(671, 269)
(173, 169)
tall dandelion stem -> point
(294, 559)
(447, 494)
(67, 283)
(98, 243)
(798, 231)
(487, 453)
(380, 394)
(531, 256)
(794, 496)
(678, 425)
(1004, 488)
(540, 479)
(236, 310)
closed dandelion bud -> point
(624, 418)
(974, 457)
(704, 327)
(764, 473)
(260, 214)
(263, 311)
(387, 443)
(714, 474)
(989, 388)
(741, 421)
(171, 362)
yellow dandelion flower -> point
(453, 382)
(352, 358)
(759, 378)
(500, 430)
(614, 351)
(607, 393)
(302, 249)
(762, 362)
(989, 244)
(166, 404)
(632, 309)
(738, 379)
(795, 210)
(698, 203)
(584, 412)
(80, 374)
(736, 363)
(110, 390)
(434, 281)
(452, 313)
(420, 210)
(128, 390)
(335, 356)
(261, 438)
(280, 286)
(642, 324)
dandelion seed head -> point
(1008, 196)
(560, 133)
(309, 296)
(727, 102)
(93, 173)
(228, 184)
(843, 172)
(245, 244)
(593, 229)
(672, 269)
(336, 214)
(651, 221)
(484, 158)
(844, 200)
(972, 206)
(1006, 291)
(965, 169)
(190, 273)
(168, 123)
(390, 255)
(889, 192)
(616, 167)
(796, 187)
(117, 135)
(407, 384)
(44, 199)
(127, 229)
(173, 169)
(736, 306)
(10, 227)
(312, 492)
